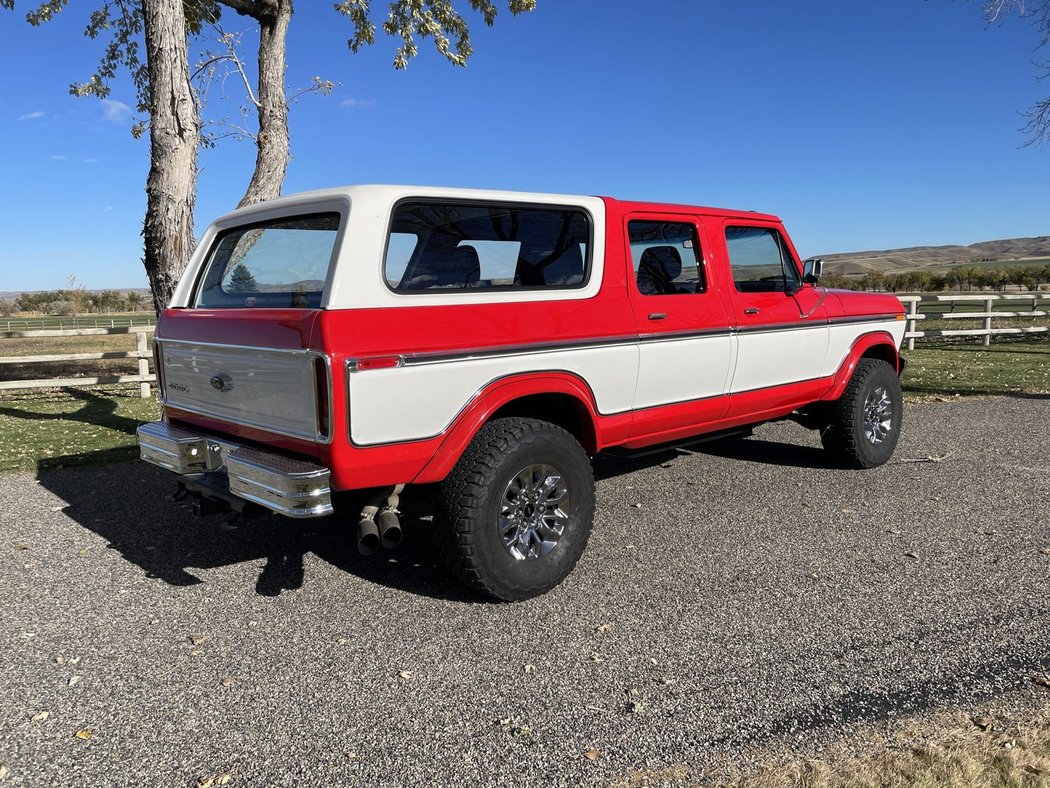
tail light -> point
(323, 395)
(158, 365)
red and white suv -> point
(372, 337)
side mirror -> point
(811, 270)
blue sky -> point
(864, 126)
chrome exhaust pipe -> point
(389, 529)
(367, 536)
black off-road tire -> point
(473, 494)
(845, 438)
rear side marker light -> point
(378, 362)
(323, 398)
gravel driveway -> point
(742, 593)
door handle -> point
(657, 316)
(751, 310)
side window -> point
(475, 246)
(666, 257)
(760, 260)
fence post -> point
(141, 347)
(988, 322)
(913, 309)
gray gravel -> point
(743, 593)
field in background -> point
(115, 320)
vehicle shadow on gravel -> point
(130, 506)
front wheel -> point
(517, 509)
(866, 420)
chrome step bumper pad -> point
(287, 486)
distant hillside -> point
(1012, 251)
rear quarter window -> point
(469, 246)
(279, 263)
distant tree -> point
(7, 307)
(134, 300)
(64, 308)
(76, 294)
(939, 283)
(242, 281)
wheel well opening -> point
(883, 353)
(563, 410)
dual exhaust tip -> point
(382, 531)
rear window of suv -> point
(472, 246)
(279, 263)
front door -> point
(782, 329)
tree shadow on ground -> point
(131, 506)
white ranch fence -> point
(934, 310)
(141, 352)
(920, 308)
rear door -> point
(685, 344)
(782, 329)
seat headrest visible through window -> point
(657, 270)
(540, 266)
(458, 266)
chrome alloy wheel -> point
(532, 513)
(878, 416)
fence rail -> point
(141, 352)
(988, 314)
(68, 323)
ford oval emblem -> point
(221, 382)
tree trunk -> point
(271, 162)
(174, 137)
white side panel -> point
(417, 402)
(683, 370)
(843, 336)
(779, 357)
(267, 389)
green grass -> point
(1000, 368)
(57, 428)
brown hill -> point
(1012, 251)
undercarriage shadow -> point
(131, 506)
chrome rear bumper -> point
(287, 486)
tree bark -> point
(174, 137)
(273, 149)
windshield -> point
(279, 263)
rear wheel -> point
(517, 508)
(866, 421)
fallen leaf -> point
(405, 674)
(636, 506)
(667, 682)
(596, 658)
(196, 653)
(633, 692)
(603, 628)
(74, 680)
(342, 642)
(910, 554)
(523, 730)
(813, 576)
(74, 660)
(635, 707)
(60, 660)
(3, 771)
(228, 681)
(40, 716)
(505, 722)
(847, 511)
(84, 733)
(22, 547)
(528, 668)
(1045, 551)
(984, 723)
(1042, 681)
(895, 531)
(591, 755)
(197, 639)
(253, 623)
